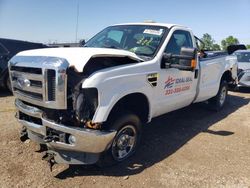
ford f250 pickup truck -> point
(88, 105)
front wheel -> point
(218, 102)
(126, 141)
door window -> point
(178, 40)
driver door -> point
(177, 88)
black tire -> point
(233, 87)
(217, 103)
(128, 127)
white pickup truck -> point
(89, 104)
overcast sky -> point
(55, 20)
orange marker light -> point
(193, 63)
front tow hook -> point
(50, 138)
(24, 135)
(49, 157)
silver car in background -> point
(243, 59)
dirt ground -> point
(192, 147)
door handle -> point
(196, 73)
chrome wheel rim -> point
(124, 143)
(223, 95)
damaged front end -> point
(68, 133)
(84, 101)
(82, 145)
(55, 110)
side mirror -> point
(185, 61)
(187, 56)
(82, 42)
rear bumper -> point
(87, 141)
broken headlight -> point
(85, 104)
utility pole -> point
(77, 15)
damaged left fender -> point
(110, 93)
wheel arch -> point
(227, 76)
(136, 103)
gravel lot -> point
(192, 147)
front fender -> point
(110, 93)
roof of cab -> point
(168, 25)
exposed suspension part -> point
(24, 134)
(49, 157)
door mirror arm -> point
(82, 43)
(166, 60)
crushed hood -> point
(78, 57)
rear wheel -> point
(219, 100)
(126, 141)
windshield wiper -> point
(114, 47)
(143, 54)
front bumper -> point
(87, 142)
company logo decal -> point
(169, 83)
(177, 85)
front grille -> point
(40, 86)
(51, 77)
(27, 69)
(30, 119)
(27, 82)
(36, 83)
(33, 95)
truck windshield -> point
(143, 40)
(243, 57)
